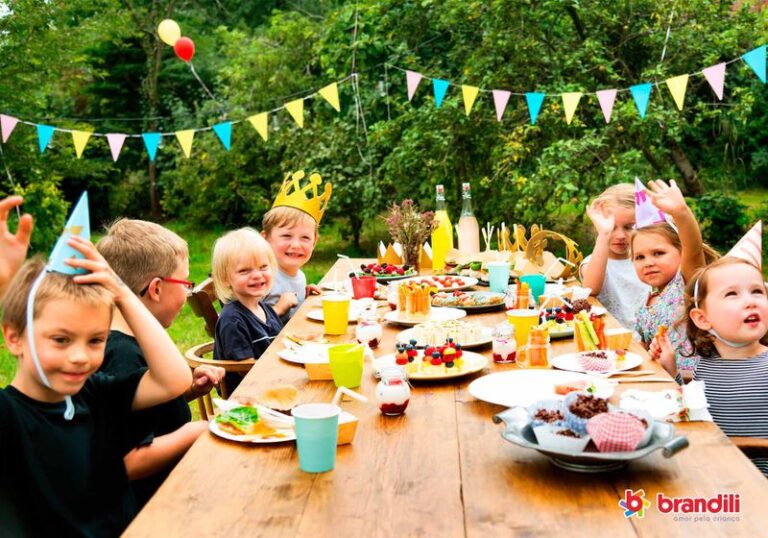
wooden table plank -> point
(442, 469)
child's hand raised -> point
(603, 223)
(668, 198)
(661, 350)
(13, 247)
(100, 271)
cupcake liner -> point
(646, 416)
(595, 364)
(549, 439)
(549, 405)
(572, 421)
(615, 431)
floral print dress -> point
(666, 310)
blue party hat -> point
(79, 224)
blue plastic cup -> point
(317, 427)
(536, 283)
(498, 276)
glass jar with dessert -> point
(504, 346)
(368, 330)
(393, 295)
(393, 392)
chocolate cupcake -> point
(579, 407)
(546, 412)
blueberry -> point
(449, 364)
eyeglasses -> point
(186, 283)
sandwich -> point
(245, 421)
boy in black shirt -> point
(61, 477)
(154, 263)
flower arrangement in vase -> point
(411, 228)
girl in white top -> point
(609, 271)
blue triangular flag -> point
(44, 135)
(755, 59)
(224, 132)
(151, 140)
(79, 224)
(534, 101)
(641, 93)
(439, 86)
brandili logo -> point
(634, 503)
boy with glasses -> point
(154, 263)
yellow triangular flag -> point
(570, 102)
(259, 122)
(469, 93)
(296, 109)
(80, 139)
(331, 94)
(185, 140)
(677, 86)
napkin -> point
(683, 404)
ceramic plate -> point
(467, 282)
(405, 337)
(290, 435)
(570, 361)
(524, 387)
(308, 353)
(473, 362)
(436, 314)
(477, 308)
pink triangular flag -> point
(115, 144)
(607, 98)
(7, 123)
(500, 98)
(715, 75)
(412, 78)
(750, 247)
(645, 212)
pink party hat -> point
(645, 212)
(750, 247)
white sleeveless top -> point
(622, 293)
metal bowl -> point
(518, 430)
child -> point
(291, 228)
(609, 271)
(666, 259)
(66, 477)
(154, 263)
(13, 248)
(243, 265)
(727, 321)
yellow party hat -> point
(305, 198)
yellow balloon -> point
(169, 31)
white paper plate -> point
(473, 362)
(404, 337)
(570, 362)
(308, 353)
(290, 435)
(598, 310)
(355, 307)
(468, 282)
(436, 314)
(524, 387)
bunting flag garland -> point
(500, 99)
(641, 93)
(185, 140)
(534, 101)
(677, 86)
(151, 141)
(439, 86)
(7, 123)
(224, 132)
(331, 94)
(607, 98)
(80, 139)
(116, 141)
(570, 102)
(756, 60)
(44, 135)
(715, 75)
(412, 79)
(296, 110)
(259, 122)
(469, 94)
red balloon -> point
(184, 48)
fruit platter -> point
(385, 272)
(558, 321)
(470, 334)
(446, 282)
(472, 301)
(446, 361)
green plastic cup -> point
(346, 362)
(317, 428)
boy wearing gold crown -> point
(291, 228)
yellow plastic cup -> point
(346, 362)
(335, 313)
(522, 320)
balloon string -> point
(192, 68)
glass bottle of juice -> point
(469, 229)
(442, 237)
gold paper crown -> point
(292, 194)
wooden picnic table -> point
(442, 469)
